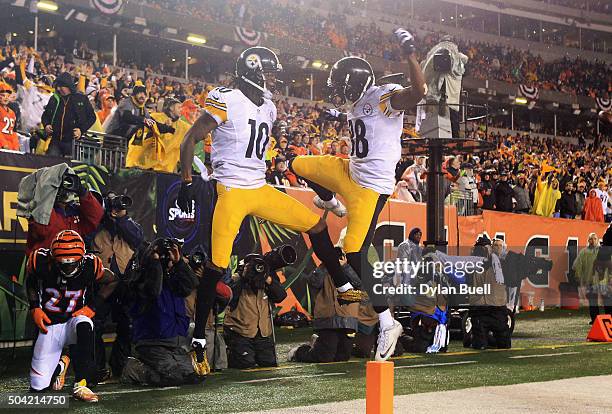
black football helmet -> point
(253, 65)
(349, 79)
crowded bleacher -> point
(586, 163)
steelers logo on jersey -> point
(367, 109)
(253, 61)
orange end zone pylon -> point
(379, 387)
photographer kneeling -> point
(248, 324)
(160, 280)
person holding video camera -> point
(160, 280)
(118, 237)
(248, 324)
(60, 200)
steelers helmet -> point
(349, 79)
(253, 65)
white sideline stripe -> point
(330, 374)
(542, 355)
(136, 390)
(436, 364)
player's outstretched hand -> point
(185, 197)
(40, 318)
(406, 39)
(85, 311)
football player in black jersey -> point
(60, 283)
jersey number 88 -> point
(359, 144)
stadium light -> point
(317, 64)
(198, 40)
(521, 100)
(47, 5)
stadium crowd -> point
(175, 105)
(598, 6)
(487, 61)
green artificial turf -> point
(551, 332)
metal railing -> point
(464, 202)
(97, 148)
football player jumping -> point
(60, 283)
(240, 121)
(365, 181)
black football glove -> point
(406, 39)
(185, 198)
(332, 115)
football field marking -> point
(543, 355)
(437, 364)
(329, 374)
(137, 390)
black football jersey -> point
(58, 296)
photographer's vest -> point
(497, 297)
(252, 314)
(107, 246)
(328, 314)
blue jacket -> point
(159, 310)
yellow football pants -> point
(268, 203)
(361, 203)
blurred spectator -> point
(66, 117)
(567, 203)
(487, 191)
(281, 175)
(592, 284)
(8, 120)
(580, 199)
(520, 192)
(592, 208)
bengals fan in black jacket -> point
(60, 284)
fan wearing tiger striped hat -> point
(65, 285)
(8, 119)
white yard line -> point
(330, 374)
(542, 355)
(436, 364)
(137, 390)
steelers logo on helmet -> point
(253, 61)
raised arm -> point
(407, 98)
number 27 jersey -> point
(241, 138)
(376, 132)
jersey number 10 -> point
(257, 135)
(359, 144)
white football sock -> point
(199, 341)
(345, 287)
(386, 319)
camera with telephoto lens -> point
(257, 267)
(442, 61)
(117, 202)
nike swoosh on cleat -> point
(385, 354)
